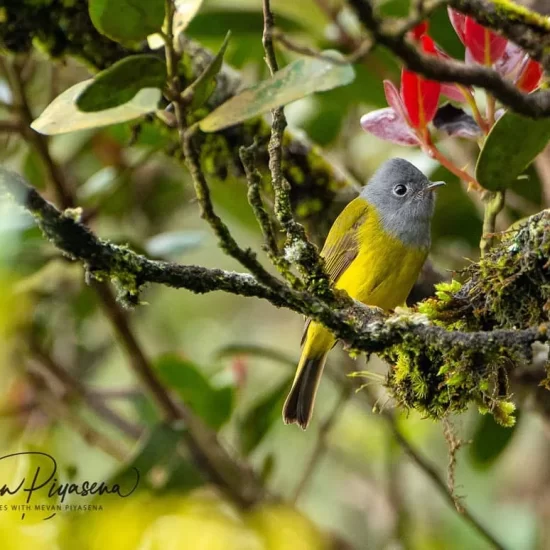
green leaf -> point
(202, 88)
(503, 158)
(99, 184)
(259, 419)
(213, 405)
(298, 79)
(173, 243)
(490, 440)
(62, 115)
(184, 14)
(127, 20)
(156, 449)
(121, 82)
(33, 170)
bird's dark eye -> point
(400, 190)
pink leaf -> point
(389, 126)
(452, 91)
(458, 21)
(510, 60)
(393, 97)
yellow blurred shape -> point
(282, 527)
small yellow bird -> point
(374, 251)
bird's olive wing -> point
(341, 245)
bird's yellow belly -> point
(383, 272)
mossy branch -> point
(445, 355)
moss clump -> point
(507, 289)
(437, 381)
(520, 14)
(58, 27)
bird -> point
(374, 251)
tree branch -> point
(535, 105)
(298, 249)
(360, 327)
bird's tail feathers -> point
(298, 406)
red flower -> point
(530, 76)
(484, 45)
(419, 95)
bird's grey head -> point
(404, 200)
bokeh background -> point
(237, 355)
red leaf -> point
(485, 46)
(420, 96)
(458, 21)
(530, 76)
(419, 30)
(389, 126)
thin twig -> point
(431, 472)
(321, 442)
(299, 250)
(493, 206)
(254, 180)
(228, 244)
(9, 127)
(38, 141)
(60, 411)
(75, 388)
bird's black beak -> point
(434, 185)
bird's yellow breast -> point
(384, 270)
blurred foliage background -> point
(230, 358)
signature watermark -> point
(42, 483)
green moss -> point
(506, 289)
(516, 13)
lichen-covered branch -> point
(445, 355)
(304, 254)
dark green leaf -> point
(502, 159)
(490, 440)
(127, 20)
(120, 83)
(202, 88)
(62, 115)
(214, 405)
(156, 449)
(259, 419)
(298, 79)
(33, 170)
(183, 477)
